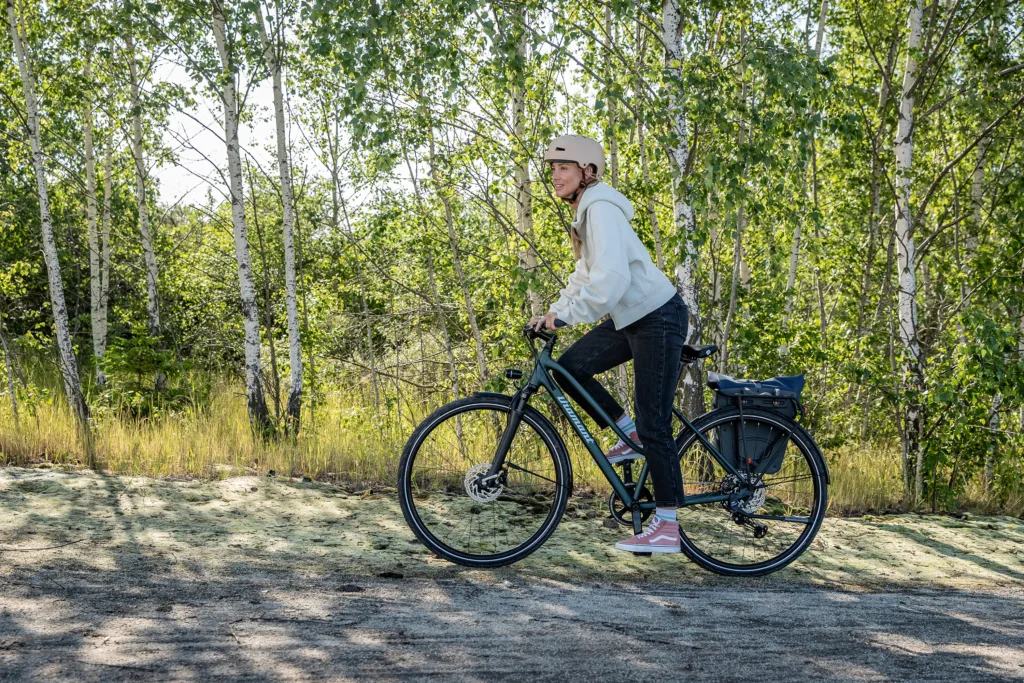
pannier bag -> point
(764, 444)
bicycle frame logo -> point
(575, 419)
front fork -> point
(514, 418)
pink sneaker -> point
(622, 451)
(662, 536)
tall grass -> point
(350, 440)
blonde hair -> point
(574, 237)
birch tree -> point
(100, 348)
(521, 154)
(97, 243)
(145, 228)
(453, 243)
(683, 214)
(913, 370)
(65, 351)
(273, 54)
(255, 400)
(794, 254)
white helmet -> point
(578, 149)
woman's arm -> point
(592, 292)
(577, 279)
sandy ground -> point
(270, 579)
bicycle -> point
(484, 480)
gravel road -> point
(258, 579)
(130, 625)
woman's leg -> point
(657, 340)
(600, 349)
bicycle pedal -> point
(643, 554)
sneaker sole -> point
(616, 459)
(648, 548)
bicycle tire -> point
(561, 469)
(818, 477)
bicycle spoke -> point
(523, 469)
(774, 515)
(490, 525)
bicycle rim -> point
(482, 525)
(744, 541)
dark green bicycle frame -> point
(541, 377)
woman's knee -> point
(655, 430)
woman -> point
(615, 275)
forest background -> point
(196, 280)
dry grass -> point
(347, 442)
(865, 478)
(350, 441)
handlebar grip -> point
(543, 333)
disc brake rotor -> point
(480, 489)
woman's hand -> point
(546, 321)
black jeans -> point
(654, 343)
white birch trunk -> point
(273, 60)
(683, 214)
(737, 257)
(68, 362)
(256, 401)
(613, 140)
(740, 269)
(95, 269)
(453, 243)
(524, 196)
(912, 428)
(971, 248)
(145, 231)
(644, 168)
(108, 189)
(651, 206)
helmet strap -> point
(583, 185)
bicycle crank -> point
(621, 512)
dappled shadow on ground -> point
(263, 579)
(190, 528)
(136, 625)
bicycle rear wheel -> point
(463, 518)
(779, 518)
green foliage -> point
(404, 153)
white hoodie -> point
(615, 274)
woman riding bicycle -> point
(615, 275)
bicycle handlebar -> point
(543, 333)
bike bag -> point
(763, 444)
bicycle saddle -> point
(692, 352)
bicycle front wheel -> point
(475, 522)
(787, 492)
